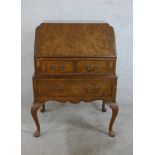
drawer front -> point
(96, 67)
(46, 67)
(75, 67)
(75, 87)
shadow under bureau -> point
(74, 62)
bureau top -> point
(74, 40)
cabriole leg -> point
(114, 108)
(34, 110)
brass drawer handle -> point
(62, 67)
(57, 88)
(53, 67)
(91, 67)
(91, 89)
(61, 88)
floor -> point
(77, 129)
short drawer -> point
(96, 67)
(46, 67)
(75, 88)
(49, 67)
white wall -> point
(116, 12)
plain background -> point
(117, 13)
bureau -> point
(74, 62)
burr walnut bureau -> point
(74, 62)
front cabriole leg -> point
(114, 108)
(34, 109)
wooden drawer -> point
(47, 67)
(96, 67)
(103, 87)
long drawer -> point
(83, 88)
(49, 67)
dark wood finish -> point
(74, 62)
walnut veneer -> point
(74, 62)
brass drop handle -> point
(91, 89)
(61, 88)
(91, 67)
(61, 67)
(57, 88)
(53, 67)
